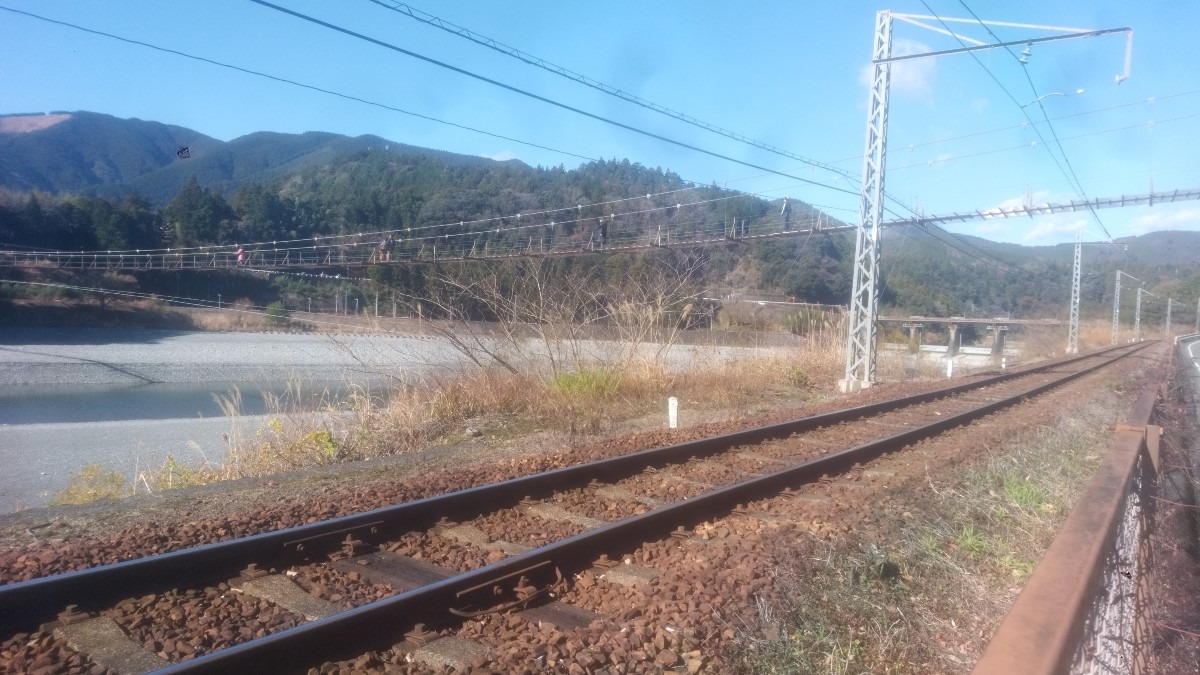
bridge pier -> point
(998, 333)
(914, 337)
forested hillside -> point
(266, 188)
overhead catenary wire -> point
(491, 43)
(896, 149)
(351, 97)
(1024, 112)
(1045, 116)
(538, 97)
(296, 83)
(1024, 146)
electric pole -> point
(1073, 328)
(1137, 318)
(864, 298)
(1116, 327)
(1167, 330)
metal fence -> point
(1086, 607)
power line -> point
(1041, 106)
(352, 98)
(538, 97)
(491, 43)
(1148, 101)
(1024, 146)
(295, 83)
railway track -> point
(394, 581)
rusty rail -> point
(354, 631)
(1084, 608)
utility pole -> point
(1116, 327)
(1073, 328)
(1167, 329)
(1137, 318)
(864, 298)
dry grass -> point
(927, 599)
(584, 400)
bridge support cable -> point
(1031, 210)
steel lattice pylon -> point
(864, 300)
(1116, 309)
(1073, 328)
(1137, 317)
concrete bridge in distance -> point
(999, 327)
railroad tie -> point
(401, 572)
(284, 592)
(667, 476)
(104, 642)
(449, 652)
(558, 513)
(622, 495)
(623, 574)
(766, 459)
(469, 534)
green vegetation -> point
(592, 382)
(277, 313)
(267, 187)
(92, 483)
(927, 595)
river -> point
(126, 399)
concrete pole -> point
(1167, 330)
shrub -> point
(277, 313)
(92, 483)
(600, 382)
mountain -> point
(269, 187)
(79, 151)
(95, 154)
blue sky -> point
(790, 74)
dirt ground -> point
(44, 541)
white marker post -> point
(949, 368)
(672, 412)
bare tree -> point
(553, 315)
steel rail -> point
(379, 625)
(29, 603)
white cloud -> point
(1055, 226)
(1186, 218)
(993, 227)
(502, 156)
(911, 78)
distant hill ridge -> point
(96, 154)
